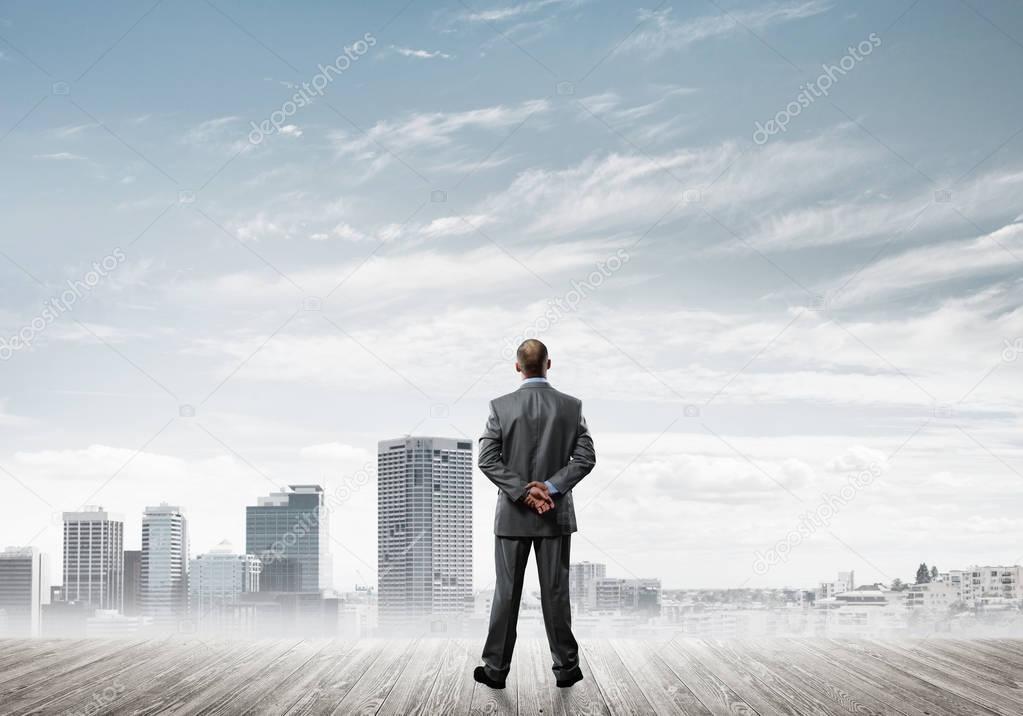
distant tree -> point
(934, 573)
(923, 575)
(898, 585)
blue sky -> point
(841, 298)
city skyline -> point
(771, 247)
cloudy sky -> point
(776, 248)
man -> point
(535, 448)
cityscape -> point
(280, 584)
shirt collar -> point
(535, 381)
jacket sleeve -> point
(580, 464)
(491, 460)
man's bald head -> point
(531, 359)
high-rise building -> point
(163, 590)
(424, 528)
(289, 532)
(217, 579)
(93, 570)
(582, 577)
(132, 582)
(24, 588)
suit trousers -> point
(511, 555)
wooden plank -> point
(536, 689)
(846, 686)
(821, 680)
(619, 690)
(418, 677)
(217, 692)
(193, 680)
(336, 680)
(47, 677)
(713, 692)
(453, 689)
(950, 676)
(975, 652)
(584, 697)
(50, 662)
(661, 685)
(289, 693)
(102, 683)
(370, 691)
(157, 675)
(761, 689)
(277, 675)
(906, 684)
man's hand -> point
(538, 497)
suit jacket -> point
(535, 434)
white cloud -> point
(660, 33)
(998, 253)
(511, 12)
(421, 54)
(432, 130)
(58, 156)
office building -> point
(582, 578)
(132, 582)
(617, 595)
(93, 567)
(290, 533)
(216, 581)
(424, 528)
(24, 589)
(163, 590)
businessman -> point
(535, 448)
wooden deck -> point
(922, 677)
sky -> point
(775, 248)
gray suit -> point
(534, 434)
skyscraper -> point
(582, 577)
(24, 588)
(163, 592)
(93, 558)
(424, 528)
(132, 582)
(289, 532)
(217, 579)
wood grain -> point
(801, 676)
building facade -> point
(93, 565)
(163, 577)
(424, 529)
(216, 581)
(985, 586)
(24, 588)
(627, 596)
(132, 582)
(582, 577)
(290, 534)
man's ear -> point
(548, 364)
(517, 368)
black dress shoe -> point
(569, 680)
(481, 676)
